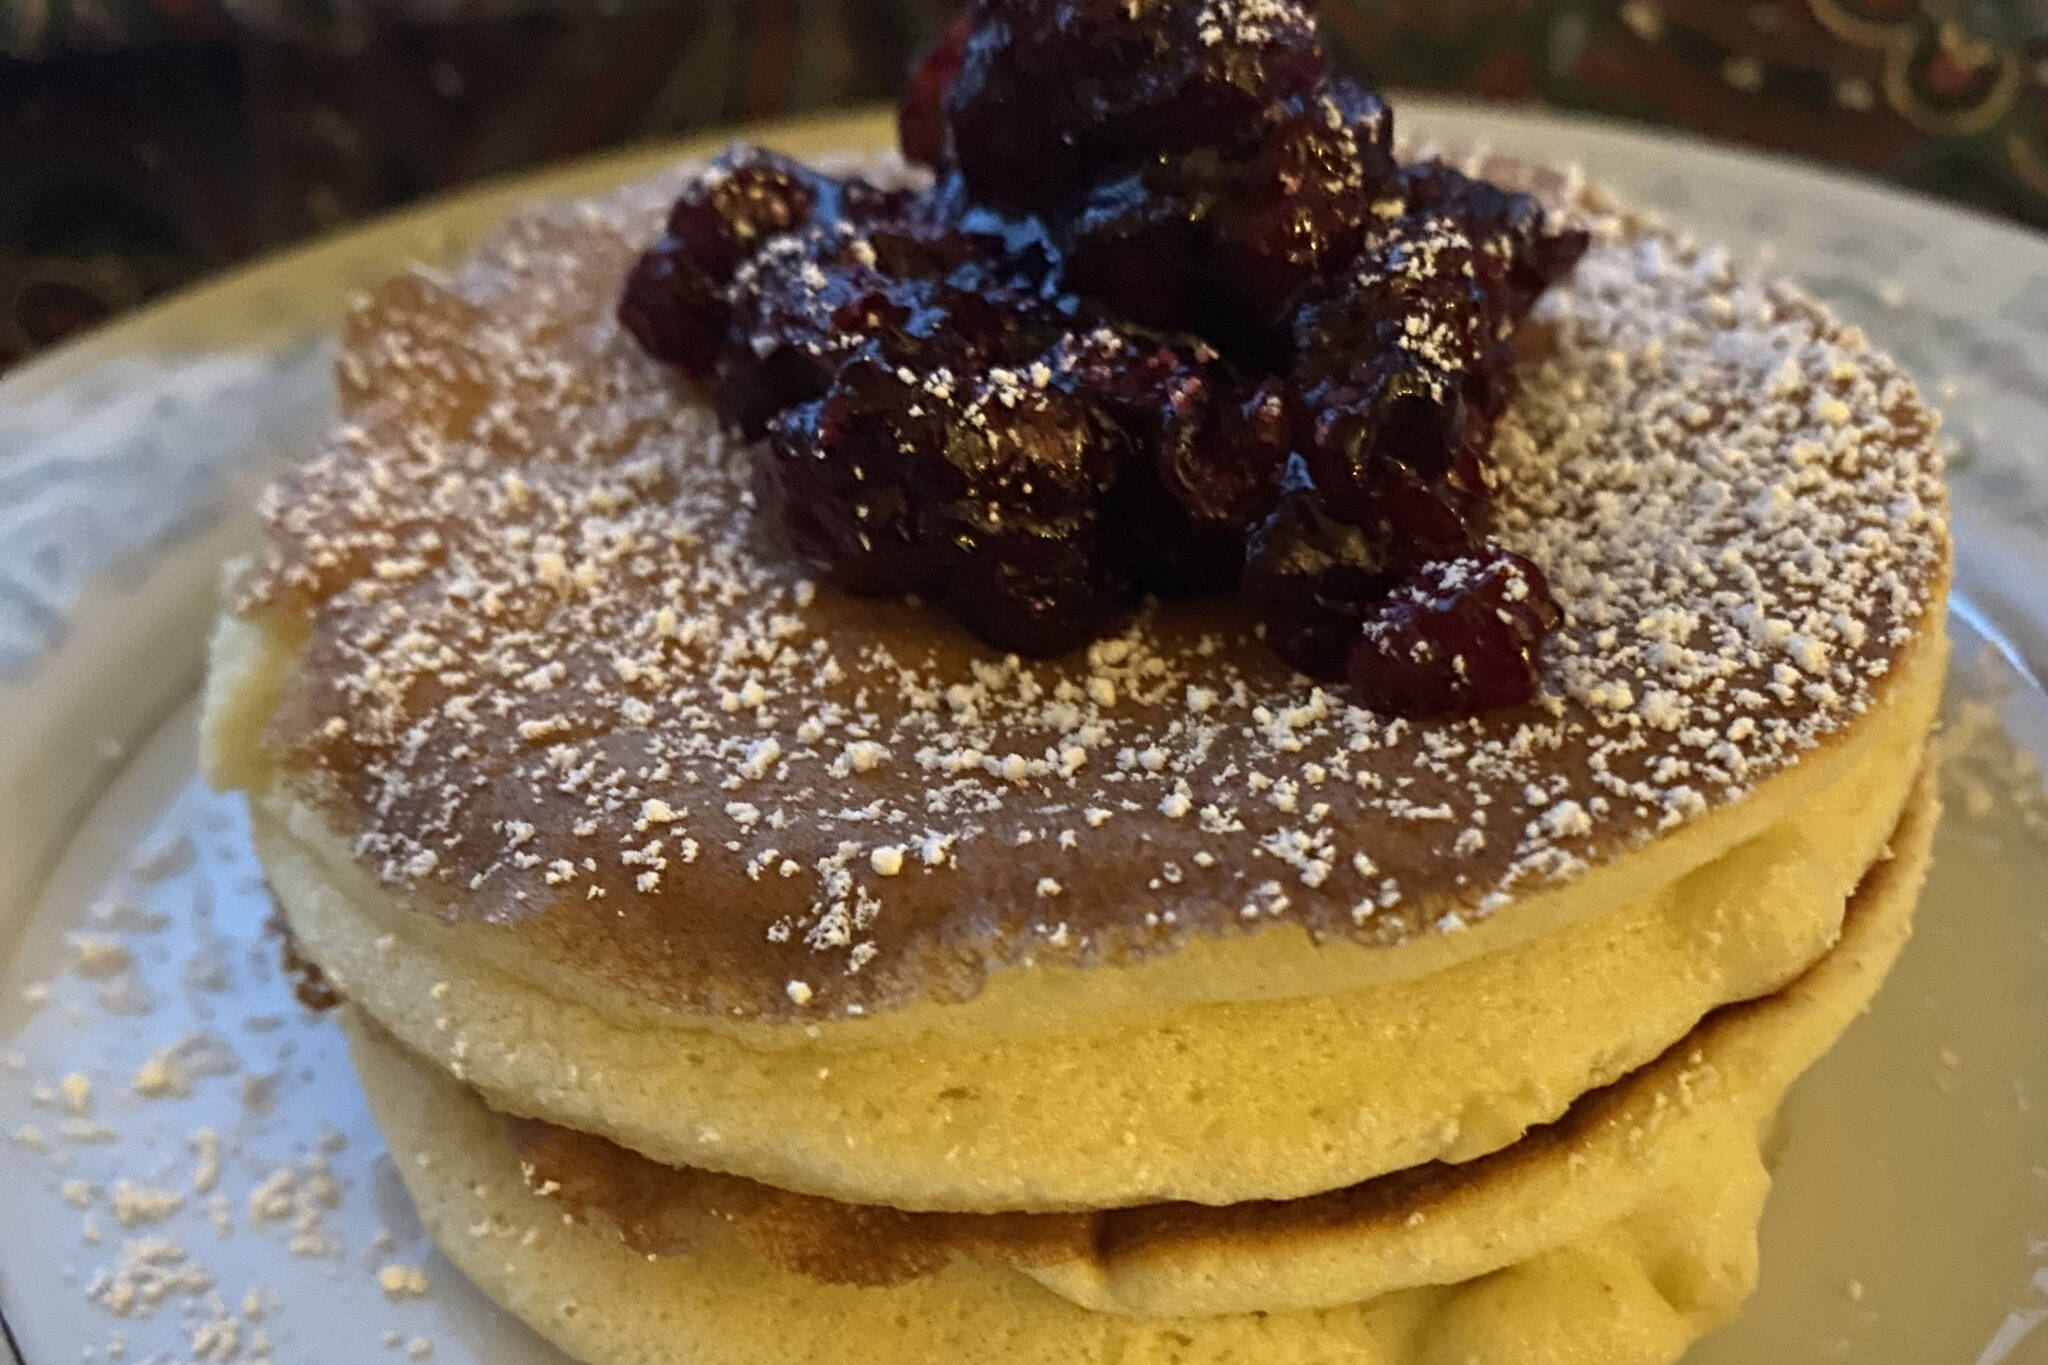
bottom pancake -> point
(1616, 1236)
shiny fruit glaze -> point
(1170, 318)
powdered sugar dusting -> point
(177, 1186)
(1252, 23)
(552, 667)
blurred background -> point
(145, 143)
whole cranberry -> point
(921, 118)
(676, 313)
(1406, 415)
(1457, 636)
(1528, 252)
(674, 303)
(1313, 576)
(1051, 94)
(1295, 205)
(840, 478)
(976, 486)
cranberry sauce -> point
(1170, 318)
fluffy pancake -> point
(663, 842)
(1616, 1236)
(516, 630)
(1446, 1067)
(1688, 1118)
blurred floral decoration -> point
(146, 142)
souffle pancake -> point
(1162, 730)
(1620, 1233)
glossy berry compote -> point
(939, 417)
(1171, 317)
(1195, 160)
(1457, 635)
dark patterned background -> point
(147, 142)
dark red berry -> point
(1457, 636)
(1055, 96)
(1219, 240)
(1312, 576)
(675, 299)
(677, 315)
(839, 477)
(921, 118)
(1215, 447)
(1194, 161)
(1140, 254)
(983, 490)
(1527, 253)
(1295, 207)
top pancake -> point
(549, 677)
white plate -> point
(1910, 1220)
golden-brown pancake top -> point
(554, 677)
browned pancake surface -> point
(555, 678)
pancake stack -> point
(744, 971)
